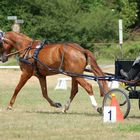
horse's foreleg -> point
(74, 90)
(23, 79)
(43, 85)
(88, 87)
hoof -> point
(100, 110)
(9, 108)
(64, 110)
(58, 105)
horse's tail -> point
(97, 71)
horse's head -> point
(11, 40)
(3, 46)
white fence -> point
(9, 67)
(17, 67)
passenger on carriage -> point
(134, 72)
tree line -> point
(81, 21)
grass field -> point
(33, 119)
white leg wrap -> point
(93, 101)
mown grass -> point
(130, 128)
(33, 119)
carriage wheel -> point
(122, 99)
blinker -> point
(1, 36)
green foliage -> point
(106, 52)
(137, 23)
(81, 21)
(131, 50)
(128, 11)
(96, 28)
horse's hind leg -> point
(43, 85)
(23, 79)
(88, 87)
(97, 72)
(74, 90)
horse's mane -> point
(23, 35)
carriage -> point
(129, 88)
(41, 59)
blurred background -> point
(91, 23)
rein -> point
(22, 50)
(10, 54)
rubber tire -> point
(127, 100)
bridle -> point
(2, 35)
(2, 38)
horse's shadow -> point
(134, 117)
(68, 113)
(76, 113)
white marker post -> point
(62, 83)
(12, 17)
(16, 26)
(120, 32)
(19, 21)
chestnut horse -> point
(51, 59)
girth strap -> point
(35, 55)
(25, 61)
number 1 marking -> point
(110, 116)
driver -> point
(134, 72)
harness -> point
(35, 55)
(25, 59)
